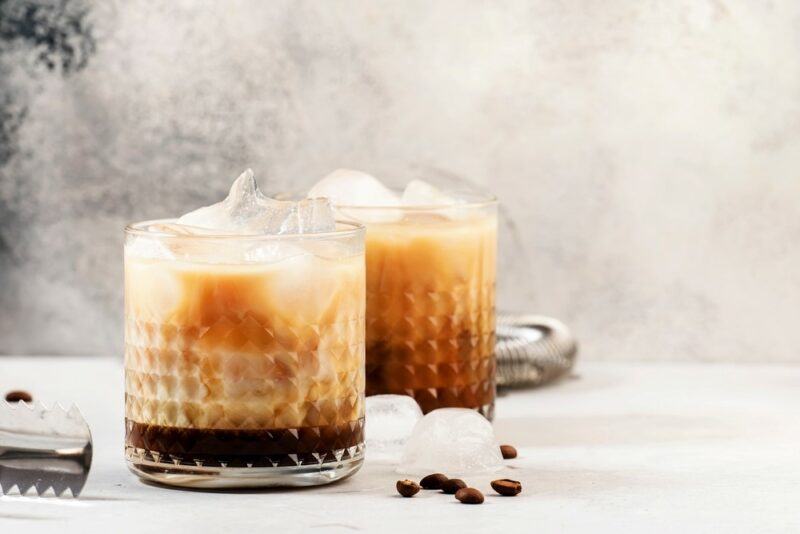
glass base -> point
(243, 477)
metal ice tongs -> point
(43, 448)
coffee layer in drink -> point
(248, 447)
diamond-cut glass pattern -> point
(261, 380)
(233, 372)
(431, 313)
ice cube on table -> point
(389, 422)
(420, 193)
(456, 441)
(247, 211)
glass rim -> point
(142, 228)
(479, 200)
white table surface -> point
(617, 448)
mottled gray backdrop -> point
(647, 152)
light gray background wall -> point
(647, 151)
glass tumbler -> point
(244, 356)
(431, 302)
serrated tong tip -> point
(43, 448)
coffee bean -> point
(469, 496)
(508, 452)
(507, 487)
(18, 396)
(433, 481)
(452, 485)
(407, 488)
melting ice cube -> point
(420, 193)
(456, 441)
(315, 215)
(247, 211)
(346, 187)
(389, 422)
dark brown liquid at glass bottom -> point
(247, 448)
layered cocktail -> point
(244, 351)
(431, 270)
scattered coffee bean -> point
(507, 487)
(407, 488)
(452, 485)
(469, 496)
(18, 396)
(434, 481)
(508, 452)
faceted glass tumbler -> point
(244, 356)
(431, 275)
